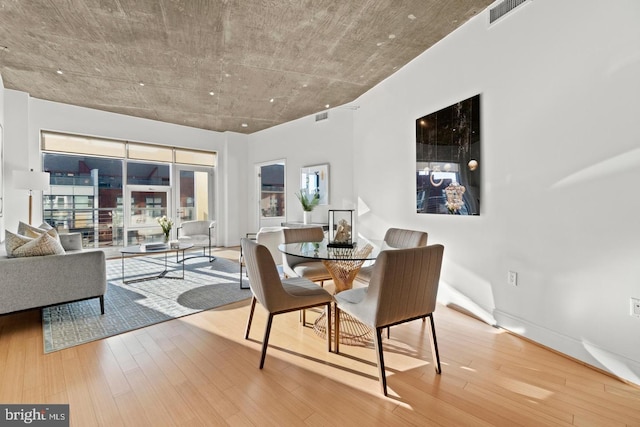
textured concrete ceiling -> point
(265, 61)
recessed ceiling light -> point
(244, 125)
(60, 71)
(392, 36)
(271, 100)
(379, 44)
(141, 84)
(326, 106)
(411, 16)
(212, 93)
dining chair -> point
(295, 266)
(271, 237)
(200, 234)
(278, 296)
(403, 287)
(396, 238)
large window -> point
(85, 196)
(90, 178)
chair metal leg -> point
(265, 342)
(336, 343)
(253, 306)
(329, 327)
(434, 345)
(101, 304)
(381, 374)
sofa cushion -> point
(23, 246)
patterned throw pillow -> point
(31, 231)
(40, 246)
(23, 246)
(13, 241)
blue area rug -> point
(131, 306)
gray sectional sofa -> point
(41, 281)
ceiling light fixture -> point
(60, 71)
(271, 100)
(392, 36)
(412, 16)
(141, 84)
(244, 125)
(212, 93)
(326, 106)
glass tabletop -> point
(143, 249)
(321, 250)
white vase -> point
(306, 217)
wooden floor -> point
(198, 370)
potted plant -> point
(308, 202)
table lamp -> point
(31, 180)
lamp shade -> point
(31, 180)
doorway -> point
(271, 193)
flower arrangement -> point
(308, 202)
(454, 194)
(166, 225)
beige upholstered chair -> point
(403, 287)
(396, 238)
(271, 237)
(200, 233)
(278, 296)
(295, 266)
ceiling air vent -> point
(502, 9)
(322, 116)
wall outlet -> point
(512, 278)
(635, 307)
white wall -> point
(26, 117)
(560, 98)
(305, 142)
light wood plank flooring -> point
(198, 370)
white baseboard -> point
(626, 369)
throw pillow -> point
(13, 241)
(31, 231)
(40, 246)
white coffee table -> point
(139, 250)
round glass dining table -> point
(343, 264)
